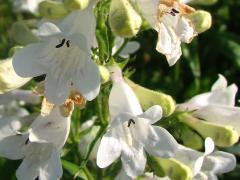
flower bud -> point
(201, 20)
(204, 2)
(22, 34)
(171, 168)
(191, 139)
(52, 10)
(104, 73)
(123, 19)
(9, 80)
(148, 98)
(223, 136)
(72, 5)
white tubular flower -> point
(131, 131)
(53, 128)
(26, 5)
(207, 165)
(12, 115)
(40, 160)
(64, 55)
(9, 80)
(40, 148)
(217, 106)
(169, 19)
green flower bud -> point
(201, 20)
(104, 73)
(149, 98)
(73, 5)
(123, 19)
(223, 136)
(9, 80)
(191, 139)
(170, 167)
(204, 2)
(52, 10)
(22, 34)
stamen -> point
(172, 13)
(175, 11)
(61, 44)
(130, 121)
(27, 141)
(68, 43)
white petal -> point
(219, 162)
(122, 176)
(123, 99)
(130, 48)
(164, 43)
(153, 114)
(189, 157)
(81, 41)
(222, 115)
(175, 54)
(12, 147)
(47, 29)
(87, 80)
(20, 95)
(211, 176)
(133, 160)
(209, 146)
(53, 128)
(160, 142)
(221, 83)
(37, 155)
(27, 61)
(70, 25)
(149, 8)
(57, 89)
(52, 169)
(198, 164)
(109, 150)
(200, 176)
(184, 30)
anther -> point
(27, 141)
(68, 43)
(130, 121)
(175, 11)
(61, 44)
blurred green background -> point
(215, 51)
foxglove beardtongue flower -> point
(169, 19)
(217, 106)
(208, 164)
(131, 132)
(64, 55)
(40, 148)
(12, 115)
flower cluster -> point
(80, 54)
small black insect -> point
(130, 121)
(61, 44)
